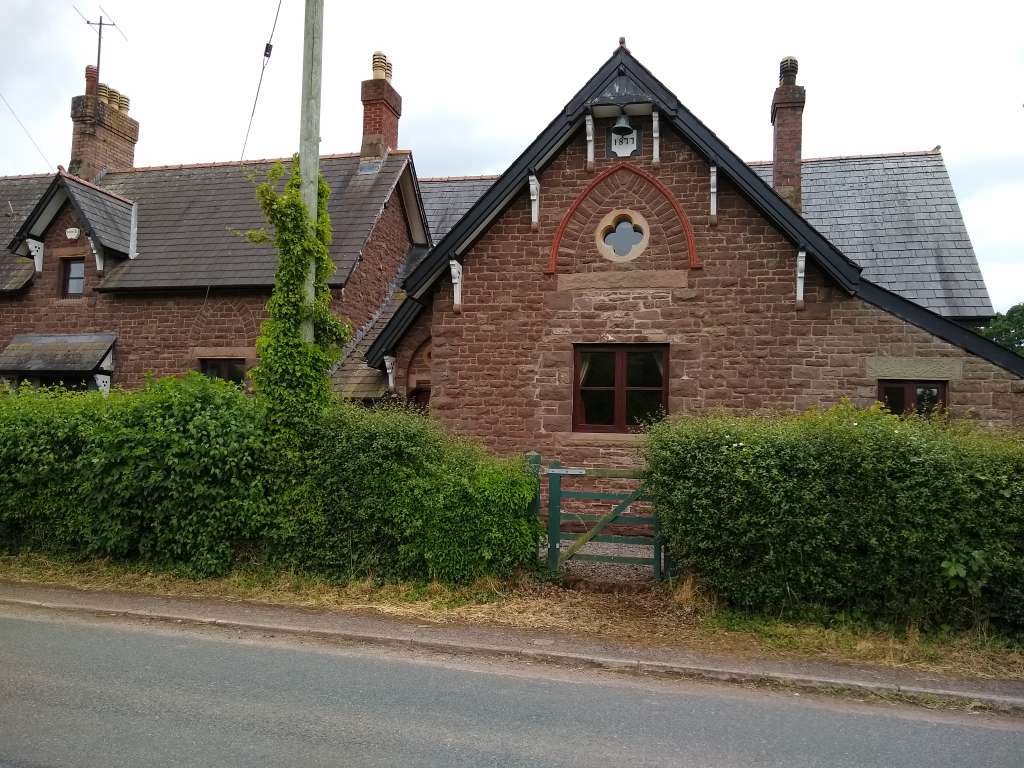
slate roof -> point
(109, 217)
(445, 200)
(73, 353)
(897, 216)
(190, 220)
(352, 377)
(18, 195)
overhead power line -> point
(27, 133)
(267, 49)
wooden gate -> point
(565, 545)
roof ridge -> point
(90, 185)
(227, 163)
(826, 158)
(26, 176)
(480, 177)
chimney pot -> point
(787, 71)
(91, 79)
(380, 66)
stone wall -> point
(502, 368)
(167, 333)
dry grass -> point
(683, 618)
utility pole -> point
(309, 135)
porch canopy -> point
(55, 356)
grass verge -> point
(659, 617)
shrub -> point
(187, 472)
(386, 491)
(846, 510)
(170, 474)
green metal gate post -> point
(554, 518)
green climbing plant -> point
(292, 373)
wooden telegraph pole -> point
(309, 134)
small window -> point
(619, 388)
(906, 396)
(227, 368)
(74, 277)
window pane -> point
(75, 286)
(643, 406)
(643, 369)
(597, 369)
(893, 398)
(598, 406)
(927, 398)
(230, 369)
(76, 269)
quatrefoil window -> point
(622, 235)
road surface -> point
(105, 692)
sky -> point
(480, 80)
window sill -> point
(602, 438)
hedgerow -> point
(190, 472)
(846, 510)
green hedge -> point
(186, 473)
(846, 510)
(387, 491)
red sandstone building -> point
(627, 264)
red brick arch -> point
(684, 222)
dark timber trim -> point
(798, 230)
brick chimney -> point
(382, 106)
(787, 120)
(104, 136)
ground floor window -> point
(909, 396)
(619, 388)
(228, 368)
(74, 381)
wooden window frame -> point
(65, 278)
(620, 351)
(910, 392)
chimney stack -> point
(104, 136)
(787, 121)
(382, 106)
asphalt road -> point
(89, 692)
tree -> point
(1008, 329)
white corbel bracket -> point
(35, 248)
(102, 382)
(389, 366)
(534, 202)
(656, 134)
(97, 254)
(714, 196)
(590, 142)
(801, 270)
(456, 269)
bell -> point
(622, 126)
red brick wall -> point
(101, 138)
(382, 108)
(502, 368)
(382, 257)
(166, 333)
